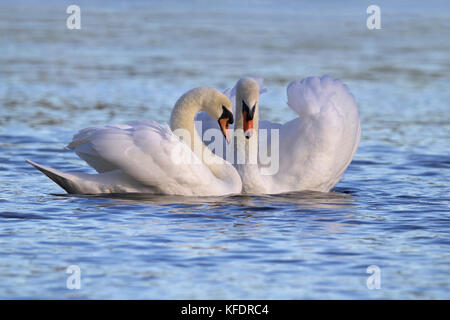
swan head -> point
(219, 107)
(247, 99)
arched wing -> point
(148, 153)
(317, 147)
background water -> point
(133, 60)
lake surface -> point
(132, 61)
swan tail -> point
(64, 180)
(83, 183)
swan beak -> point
(223, 123)
(247, 116)
(248, 126)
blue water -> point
(133, 60)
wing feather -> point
(317, 147)
(144, 151)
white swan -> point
(314, 149)
(138, 157)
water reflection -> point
(238, 216)
(391, 209)
(251, 203)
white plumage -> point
(139, 157)
(314, 149)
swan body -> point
(314, 149)
(139, 156)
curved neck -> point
(183, 117)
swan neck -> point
(183, 117)
(183, 114)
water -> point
(133, 61)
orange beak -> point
(248, 125)
(223, 123)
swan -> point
(310, 152)
(138, 157)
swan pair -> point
(313, 150)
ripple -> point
(15, 215)
(391, 209)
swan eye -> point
(226, 114)
(248, 114)
(245, 107)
